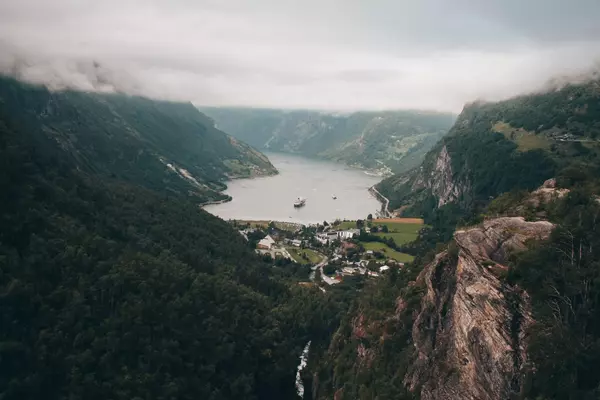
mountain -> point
(501, 301)
(157, 144)
(113, 287)
(395, 140)
(497, 147)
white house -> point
(266, 243)
(349, 234)
(383, 268)
(326, 238)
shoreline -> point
(385, 202)
(234, 178)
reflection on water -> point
(272, 198)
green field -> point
(525, 140)
(313, 256)
(388, 251)
(401, 233)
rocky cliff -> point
(470, 332)
(457, 331)
(440, 181)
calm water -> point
(272, 198)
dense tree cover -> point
(399, 139)
(562, 275)
(110, 290)
(573, 109)
(132, 138)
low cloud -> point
(319, 54)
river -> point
(272, 198)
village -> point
(338, 250)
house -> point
(349, 234)
(326, 238)
(266, 243)
(369, 252)
(348, 271)
(373, 273)
(383, 268)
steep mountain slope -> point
(501, 301)
(395, 140)
(496, 147)
(160, 145)
(112, 290)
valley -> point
(283, 200)
(144, 253)
(380, 142)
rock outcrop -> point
(546, 193)
(470, 331)
(440, 180)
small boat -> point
(300, 202)
(333, 196)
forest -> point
(132, 138)
(110, 289)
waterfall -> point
(303, 361)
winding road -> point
(319, 266)
(386, 202)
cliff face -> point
(456, 331)
(439, 179)
(470, 331)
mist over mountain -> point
(358, 56)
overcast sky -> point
(320, 54)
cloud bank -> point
(318, 54)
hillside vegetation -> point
(112, 287)
(395, 140)
(160, 145)
(497, 147)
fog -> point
(326, 54)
